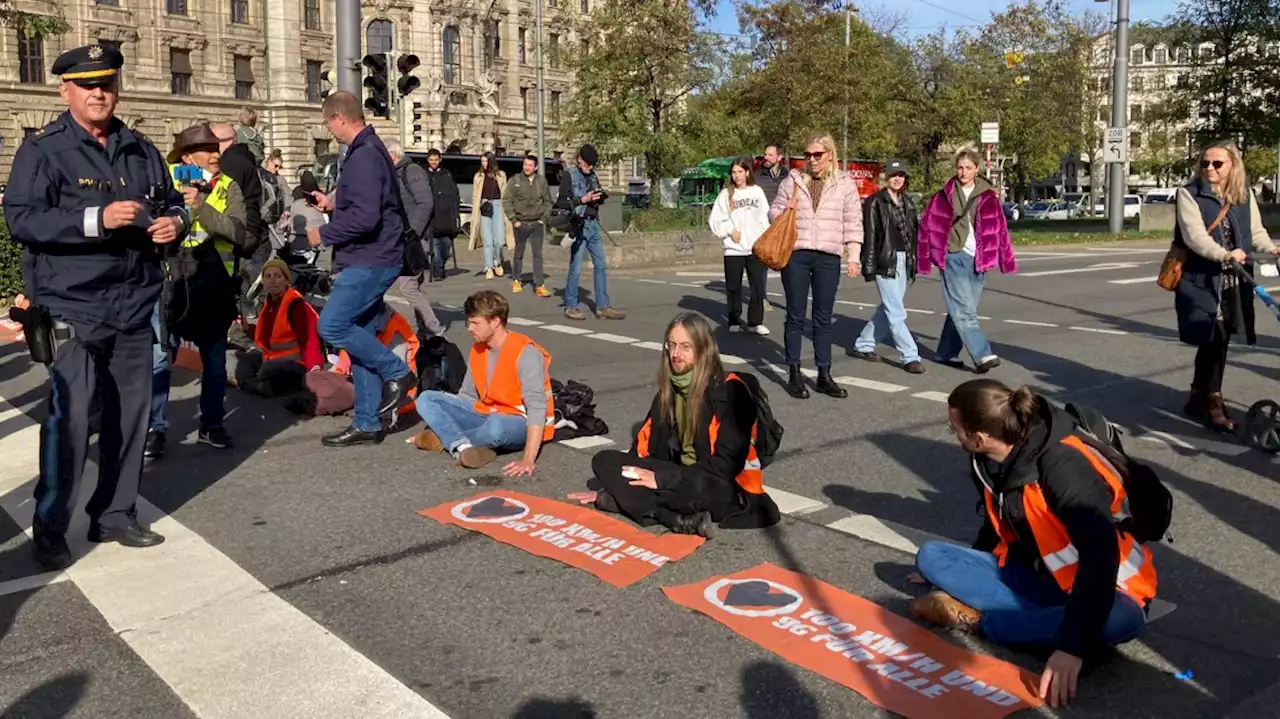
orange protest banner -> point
(893, 662)
(611, 549)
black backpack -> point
(768, 429)
(1150, 502)
(441, 366)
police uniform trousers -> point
(101, 380)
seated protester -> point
(694, 462)
(505, 401)
(202, 298)
(287, 335)
(1052, 566)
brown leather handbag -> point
(774, 247)
(1171, 269)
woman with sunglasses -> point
(828, 226)
(1217, 218)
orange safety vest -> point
(750, 479)
(278, 340)
(504, 395)
(1137, 573)
(398, 335)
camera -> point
(602, 195)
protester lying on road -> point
(287, 337)
(505, 401)
(693, 463)
(1052, 566)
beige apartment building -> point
(188, 61)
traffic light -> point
(329, 81)
(407, 83)
(375, 82)
(418, 130)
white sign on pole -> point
(1116, 148)
(990, 133)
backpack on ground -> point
(768, 429)
(1150, 502)
(441, 366)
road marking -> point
(1098, 267)
(585, 443)
(870, 384)
(697, 285)
(649, 345)
(982, 317)
(933, 395)
(699, 274)
(652, 282)
(1155, 435)
(854, 304)
(1099, 330)
(565, 329)
(793, 504)
(35, 581)
(616, 339)
(732, 359)
(865, 526)
(783, 371)
(1029, 323)
(225, 644)
(522, 322)
(922, 312)
(1133, 280)
(779, 294)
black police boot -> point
(135, 535)
(154, 448)
(828, 386)
(795, 386)
(396, 392)
(50, 548)
(351, 437)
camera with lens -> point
(601, 195)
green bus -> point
(700, 185)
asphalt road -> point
(300, 581)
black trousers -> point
(755, 269)
(274, 378)
(530, 233)
(645, 506)
(1211, 362)
(115, 369)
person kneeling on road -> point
(694, 462)
(288, 338)
(505, 400)
(1053, 565)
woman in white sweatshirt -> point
(739, 216)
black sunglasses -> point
(1215, 164)
(814, 155)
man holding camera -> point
(93, 209)
(582, 196)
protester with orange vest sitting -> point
(505, 401)
(286, 336)
(694, 463)
(1053, 565)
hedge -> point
(10, 266)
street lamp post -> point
(1116, 183)
(348, 42)
(537, 23)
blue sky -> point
(923, 18)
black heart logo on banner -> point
(756, 594)
(493, 507)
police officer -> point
(93, 211)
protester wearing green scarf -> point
(681, 384)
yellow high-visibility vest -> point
(217, 199)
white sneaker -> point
(735, 328)
(760, 330)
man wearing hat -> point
(202, 300)
(583, 197)
(890, 225)
(93, 211)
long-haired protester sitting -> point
(694, 462)
(1055, 564)
(286, 335)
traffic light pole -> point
(537, 23)
(1116, 184)
(348, 41)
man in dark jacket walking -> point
(444, 212)
(527, 202)
(889, 231)
(418, 200)
(771, 173)
(368, 240)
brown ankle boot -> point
(945, 610)
(1218, 417)
(1197, 405)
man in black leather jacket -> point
(890, 225)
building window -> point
(244, 76)
(492, 43)
(311, 14)
(1160, 56)
(111, 3)
(1104, 113)
(1135, 139)
(524, 102)
(1273, 49)
(1135, 113)
(31, 59)
(555, 105)
(1184, 81)
(452, 55)
(179, 71)
(240, 12)
(321, 148)
(1136, 55)
(1137, 83)
(552, 3)
(379, 36)
(553, 49)
(521, 54)
(586, 6)
(1158, 82)
(586, 48)
(1184, 55)
(315, 81)
(175, 7)
(1206, 51)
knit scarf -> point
(681, 384)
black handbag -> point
(486, 208)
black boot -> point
(795, 385)
(699, 524)
(828, 386)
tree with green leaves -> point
(30, 24)
(945, 104)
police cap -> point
(90, 65)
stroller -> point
(1262, 423)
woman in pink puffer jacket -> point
(828, 225)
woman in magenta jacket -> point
(964, 233)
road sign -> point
(990, 133)
(1116, 148)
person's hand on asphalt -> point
(583, 497)
(641, 477)
(1237, 255)
(1058, 683)
(322, 201)
(191, 196)
(313, 237)
(854, 269)
(164, 230)
(519, 468)
(120, 214)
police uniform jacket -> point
(62, 179)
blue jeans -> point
(1019, 606)
(213, 382)
(890, 318)
(590, 241)
(962, 290)
(821, 270)
(456, 422)
(345, 323)
(440, 247)
(493, 233)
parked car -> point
(1162, 196)
(638, 195)
(1051, 210)
(1132, 207)
(1012, 211)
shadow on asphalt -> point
(54, 698)
(544, 708)
(771, 691)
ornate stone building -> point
(194, 60)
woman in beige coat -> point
(489, 224)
